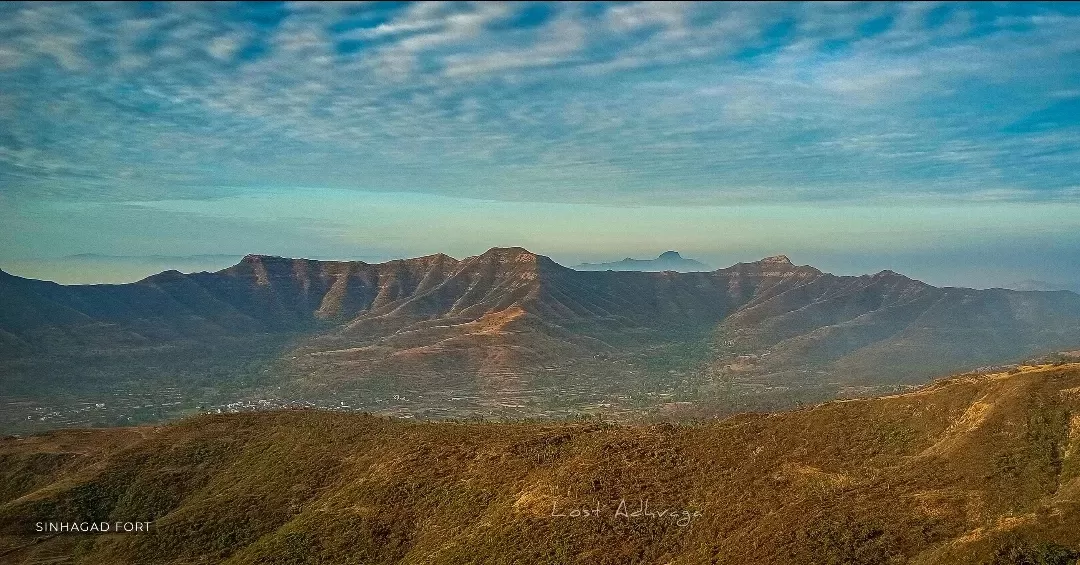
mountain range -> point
(666, 261)
(515, 328)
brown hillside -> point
(972, 469)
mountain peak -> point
(670, 255)
(775, 265)
(252, 258)
(511, 255)
(776, 260)
(512, 251)
(518, 255)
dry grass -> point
(968, 470)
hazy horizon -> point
(110, 269)
(936, 140)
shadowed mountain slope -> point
(972, 469)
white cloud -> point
(634, 101)
(224, 47)
(557, 43)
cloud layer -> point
(635, 103)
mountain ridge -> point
(508, 320)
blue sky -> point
(941, 140)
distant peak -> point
(666, 261)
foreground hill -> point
(972, 469)
(512, 328)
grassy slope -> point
(968, 470)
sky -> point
(941, 140)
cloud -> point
(577, 102)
